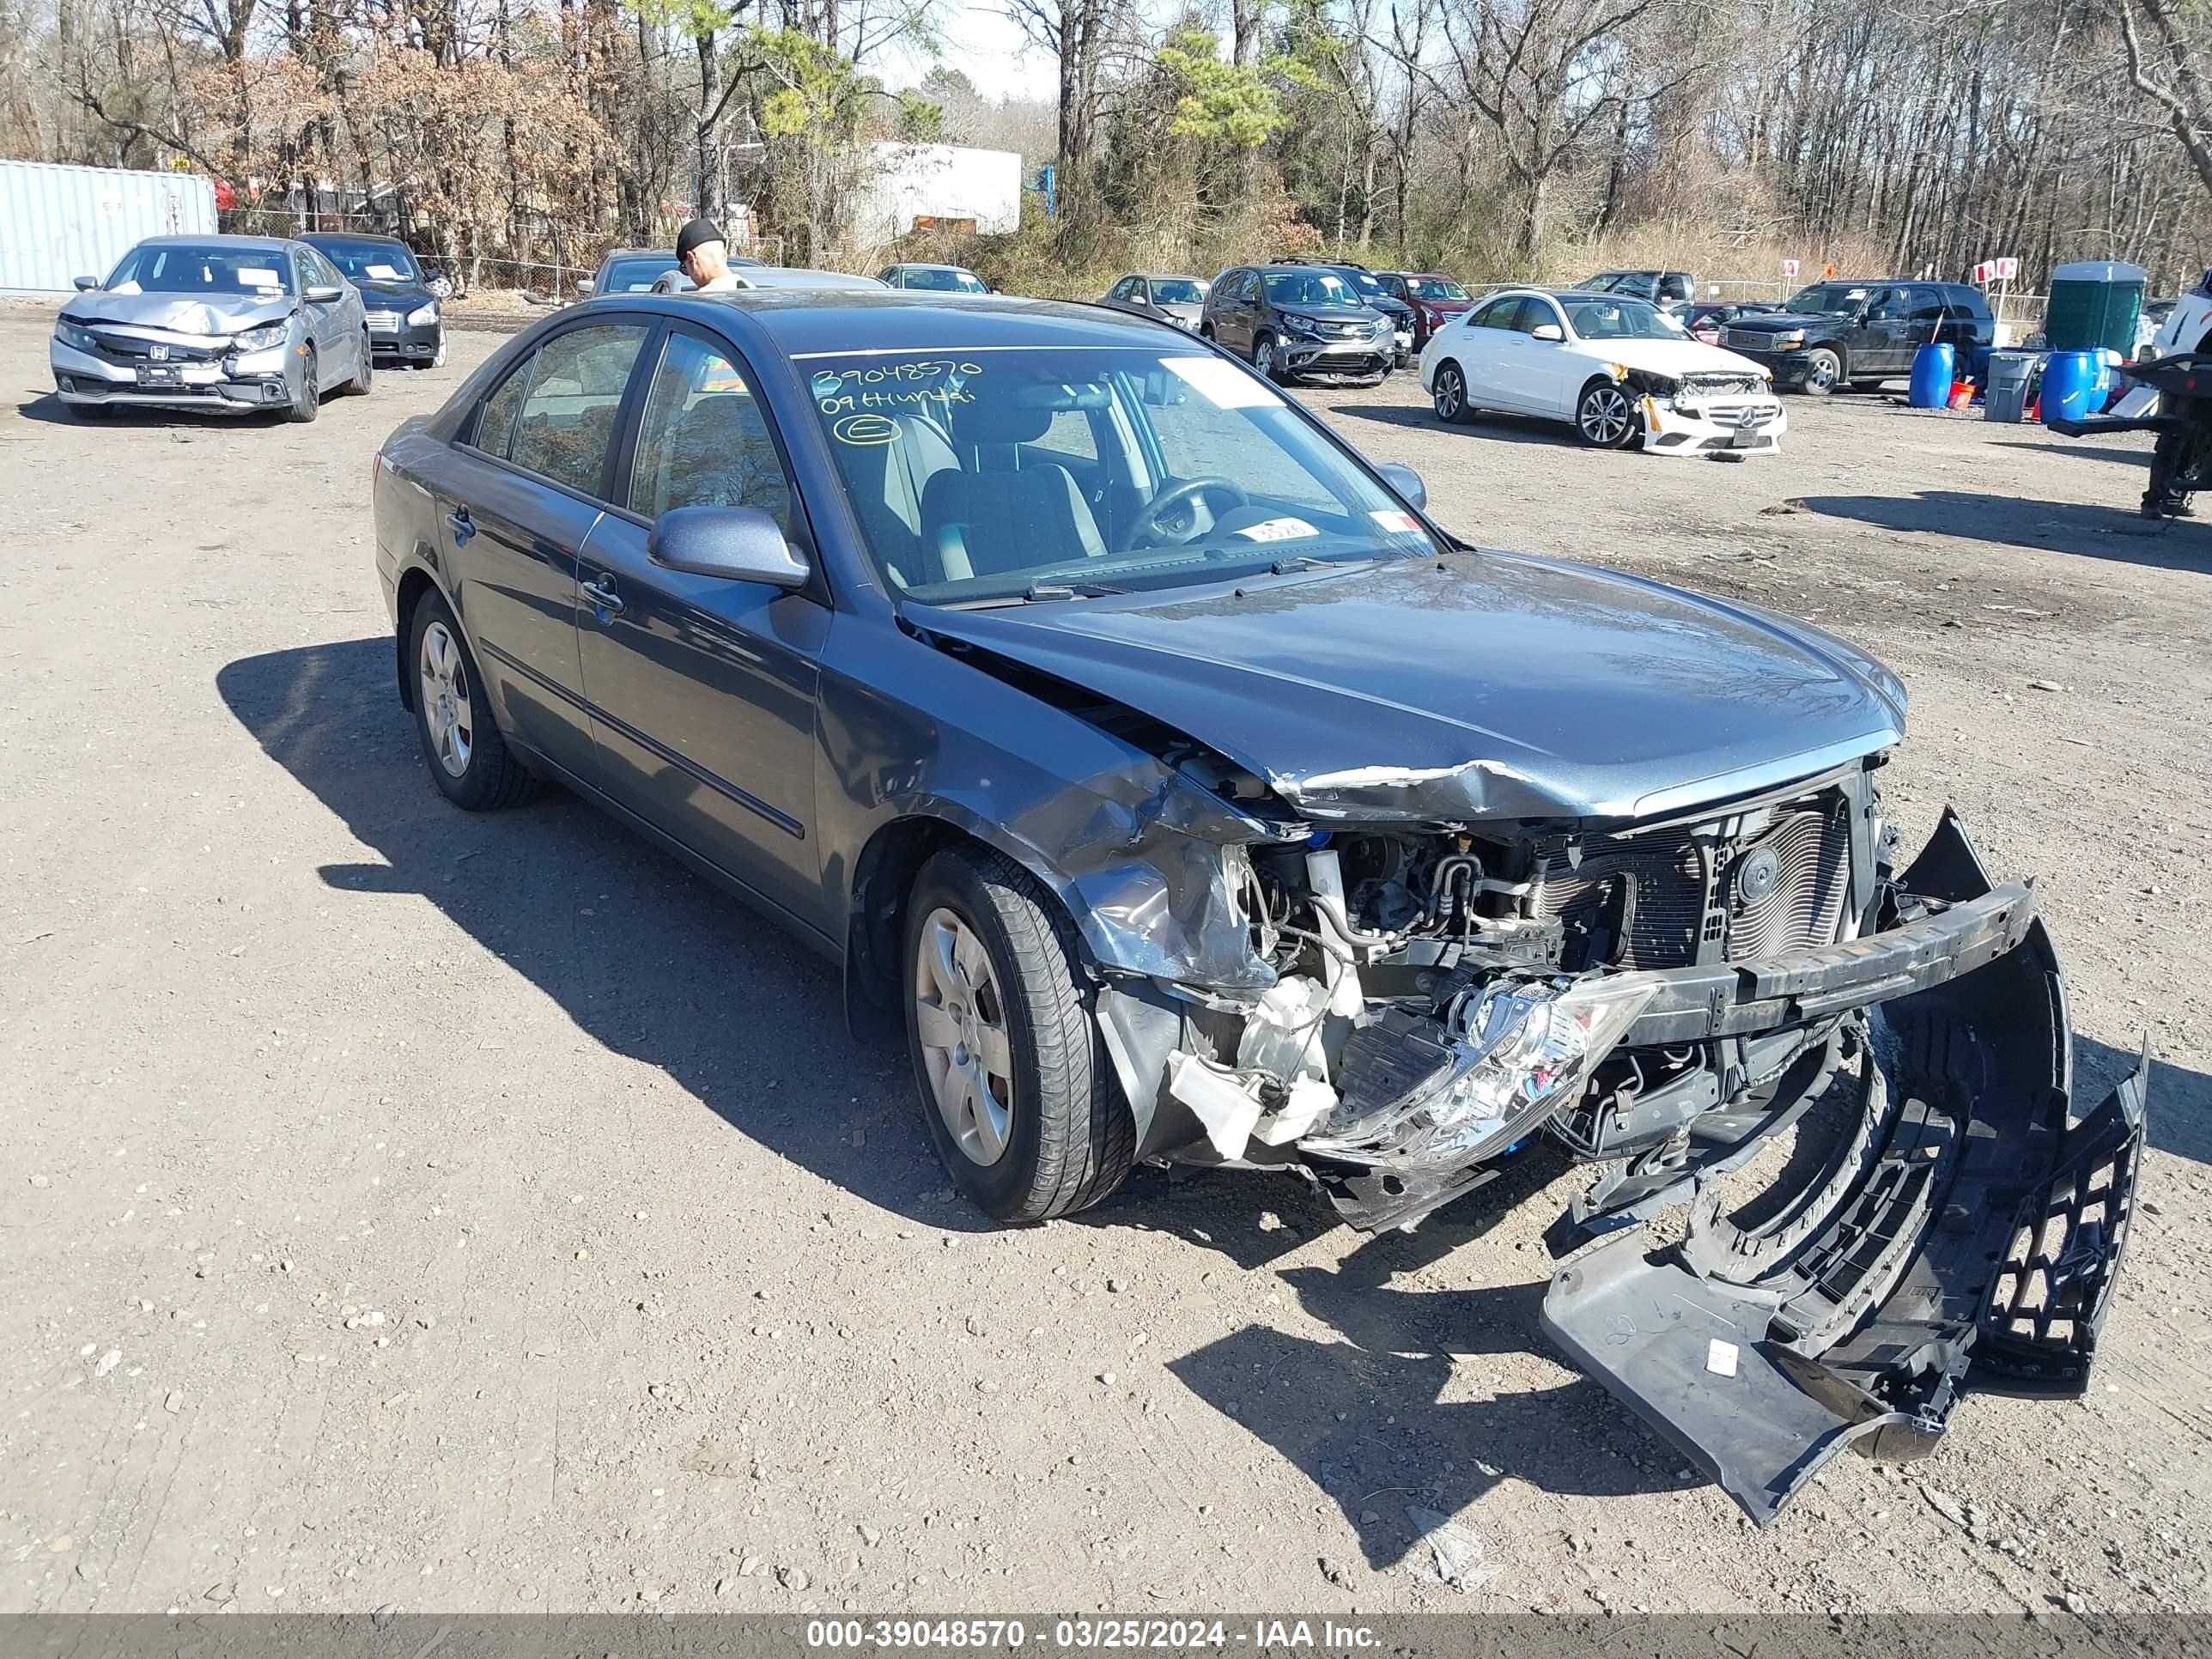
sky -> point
(985, 45)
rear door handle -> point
(463, 526)
(604, 600)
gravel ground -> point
(404, 1209)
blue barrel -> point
(2069, 385)
(1933, 367)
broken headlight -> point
(1644, 381)
(1524, 1050)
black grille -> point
(1643, 901)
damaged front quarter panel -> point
(1962, 1234)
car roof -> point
(267, 243)
(314, 236)
(823, 322)
(1167, 277)
(924, 265)
(638, 253)
(760, 277)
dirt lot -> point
(407, 1209)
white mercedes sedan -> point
(1613, 367)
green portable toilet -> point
(2095, 302)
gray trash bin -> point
(2011, 374)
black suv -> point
(1861, 333)
(1295, 321)
(1669, 290)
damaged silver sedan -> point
(1187, 793)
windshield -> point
(1363, 282)
(1051, 470)
(1307, 287)
(1830, 299)
(1621, 318)
(1434, 288)
(369, 262)
(170, 268)
(1177, 291)
(636, 275)
(937, 277)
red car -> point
(1436, 300)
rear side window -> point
(566, 422)
(1929, 305)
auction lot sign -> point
(384, 1635)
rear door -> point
(1480, 351)
(703, 690)
(526, 485)
(324, 320)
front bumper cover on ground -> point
(1965, 1234)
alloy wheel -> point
(961, 1019)
(1450, 394)
(1606, 415)
(444, 693)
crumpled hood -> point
(1498, 686)
(180, 314)
(1682, 356)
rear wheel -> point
(1450, 393)
(469, 762)
(1823, 369)
(1015, 1084)
(1606, 416)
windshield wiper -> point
(1298, 561)
(1069, 590)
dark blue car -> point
(1184, 792)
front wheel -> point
(1015, 1084)
(364, 377)
(1449, 392)
(1823, 369)
(306, 396)
(1267, 358)
(1605, 417)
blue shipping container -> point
(57, 223)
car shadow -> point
(1506, 428)
(2130, 455)
(2180, 1110)
(2115, 531)
(51, 410)
(648, 960)
(1364, 1417)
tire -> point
(1824, 370)
(1264, 359)
(1064, 1139)
(480, 774)
(307, 400)
(1449, 393)
(438, 360)
(365, 377)
(1606, 416)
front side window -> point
(999, 509)
(186, 268)
(565, 424)
(702, 441)
(1620, 318)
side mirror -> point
(1548, 331)
(737, 543)
(323, 293)
(86, 284)
(584, 286)
(1407, 482)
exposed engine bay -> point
(1658, 998)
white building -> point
(947, 185)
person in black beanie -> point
(704, 257)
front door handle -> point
(604, 600)
(463, 526)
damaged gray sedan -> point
(1187, 794)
